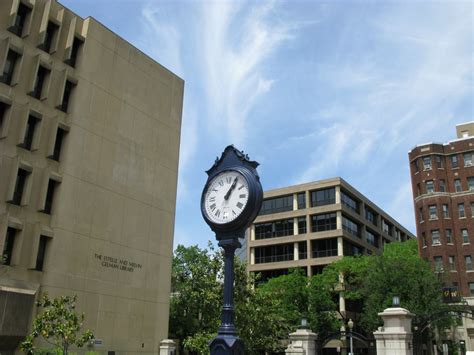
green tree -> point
(59, 324)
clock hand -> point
(227, 195)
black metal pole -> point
(227, 341)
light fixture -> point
(350, 323)
(304, 323)
(395, 301)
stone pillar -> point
(302, 342)
(167, 347)
(296, 255)
(395, 337)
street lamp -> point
(395, 301)
(350, 324)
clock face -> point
(226, 197)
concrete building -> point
(89, 144)
(442, 176)
(309, 226)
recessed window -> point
(442, 186)
(426, 163)
(467, 159)
(51, 31)
(19, 186)
(465, 236)
(372, 238)
(371, 215)
(48, 204)
(301, 197)
(439, 161)
(445, 211)
(20, 19)
(454, 161)
(452, 264)
(40, 257)
(276, 205)
(472, 209)
(350, 226)
(39, 82)
(423, 238)
(429, 187)
(68, 88)
(470, 183)
(76, 45)
(435, 238)
(302, 225)
(9, 67)
(8, 246)
(461, 211)
(323, 222)
(438, 263)
(415, 165)
(471, 288)
(468, 262)
(449, 236)
(29, 132)
(302, 250)
(3, 113)
(58, 143)
(349, 202)
(457, 185)
(323, 197)
(433, 212)
(420, 214)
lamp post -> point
(350, 324)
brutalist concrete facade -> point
(89, 148)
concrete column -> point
(309, 271)
(340, 246)
(338, 194)
(303, 342)
(309, 251)
(338, 220)
(167, 347)
(295, 202)
(296, 255)
(295, 226)
(252, 232)
(252, 256)
(308, 199)
(395, 337)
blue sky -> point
(309, 89)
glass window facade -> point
(274, 229)
(274, 253)
(349, 202)
(351, 249)
(324, 247)
(277, 204)
(302, 229)
(371, 215)
(302, 250)
(372, 238)
(350, 226)
(323, 197)
(301, 197)
(323, 222)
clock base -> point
(227, 345)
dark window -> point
(370, 215)
(372, 238)
(351, 249)
(20, 19)
(429, 187)
(58, 144)
(415, 165)
(435, 237)
(445, 211)
(468, 262)
(39, 82)
(3, 111)
(323, 222)
(470, 183)
(461, 212)
(323, 197)
(449, 236)
(29, 132)
(471, 288)
(274, 229)
(426, 163)
(387, 227)
(302, 250)
(423, 238)
(324, 247)
(349, 202)
(350, 226)
(302, 225)
(454, 161)
(452, 264)
(41, 252)
(76, 44)
(420, 213)
(465, 236)
(68, 88)
(438, 262)
(8, 246)
(277, 204)
(19, 186)
(274, 253)
(439, 161)
(468, 159)
(301, 200)
(457, 185)
(9, 68)
(433, 212)
(48, 204)
(442, 186)
(49, 36)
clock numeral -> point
(233, 212)
(212, 207)
(215, 190)
(228, 179)
(242, 196)
(212, 199)
(240, 187)
(239, 205)
(218, 213)
(221, 183)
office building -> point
(89, 144)
(442, 176)
(309, 226)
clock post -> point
(230, 201)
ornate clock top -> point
(231, 157)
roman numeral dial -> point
(226, 197)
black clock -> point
(232, 196)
